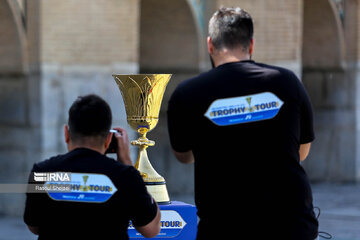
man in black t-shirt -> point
(246, 126)
(105, 194)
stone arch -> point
(323, 35)
(328, 75)
(19, 105)
(168, 37)
(13, 38)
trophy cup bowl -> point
(142, 95)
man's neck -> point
(91, 147)
(227, 56)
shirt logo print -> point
(244, 109)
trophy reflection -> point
(142, 94)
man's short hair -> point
(230, 28)
(89, 116)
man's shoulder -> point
(85, 157)
(49, 163)
(193, 85)
(189, 83)
(206, 77)
(276, 71)
(120, 174)
(188, 90)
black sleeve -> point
(33, 205)
(178, 128)
(143, 207)
(307, 134)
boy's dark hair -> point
(89, 116)
(230, 28)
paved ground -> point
(339, 204)
(340, 209)
(12, 228)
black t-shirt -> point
(87, 220)
(244, 122)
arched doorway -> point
(19, 106)
(168, 38)
(168, 44)
(12, 39)
(328, 75)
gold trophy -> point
(142, 94)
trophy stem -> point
(154, 182)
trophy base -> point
(178, 222)
(158, 191)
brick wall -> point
(104, 31)
(278, 27)
(89, 31)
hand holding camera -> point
(120, 145)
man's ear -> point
(67, 134)
(251, 46)
(108, 140)
(210, 45)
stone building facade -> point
(53, 51)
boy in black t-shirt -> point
(105, 194)
(246, 126)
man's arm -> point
(180, 127)
(307, 134)
(151, 229)
(304, 151)
(144, 211)
(184, 157)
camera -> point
(113, 144)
